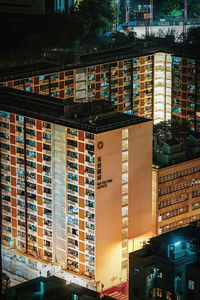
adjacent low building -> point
(51, 288)
(176, 184)
(164, 268)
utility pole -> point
(127, 11)
(151, 11)
(185, 20)
(147, 21)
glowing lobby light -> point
(177, 244)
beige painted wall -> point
(108, 209)
(140, 182)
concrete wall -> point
(140, 184)
(108, 209)
(59, 193)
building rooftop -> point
(96, 116)
(52, 287)
(188, 234)
(140, 48)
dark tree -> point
(178, 129)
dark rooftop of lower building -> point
(96, 116)
(45, 288)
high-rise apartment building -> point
(185, 89)
(159, 84)
(75, 183)
(127, 83)
(176, 184)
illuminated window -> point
(190, 284)
(159, 273)
(168, 295)
(159, 293)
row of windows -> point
(178, 174)
(178, 224)
(179, 186)
(173, 200)
(173, 213)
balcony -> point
(30, 231)
(21, 228)
(21, 218)
(20, 197)
(47, 237)
(33, 201)
(31, 169)
(90, 175)
(21, 238)
(30, 126)
(31, 179)
(74, 236)
(91, 209)
(47, 248)
(5, 151)
(47, 216)
(75, 171)
(48, 195)
(31, 242)
(47, 227)
(89, 230)
(6, 243)
(6, 233)
(32, 212)
(88, 197)
(5, 202)
(46, 141)
(46, 184)
(89, 252)
(6, 192)
(72, 136)
(72, 203)
(4, 222)
(48, 206)
(46, 163)
(30, 136)
(20, 155)
(46, 130)
(72, 257)
(4, 181)
(20, 165)
(73, 247)
(32, 158)
(47, 152)
(90, 242)
(6, 130)
(48, 258)
(31, 190)
(72, 159)
(46, 173)
(89, 263)
(32, 221)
